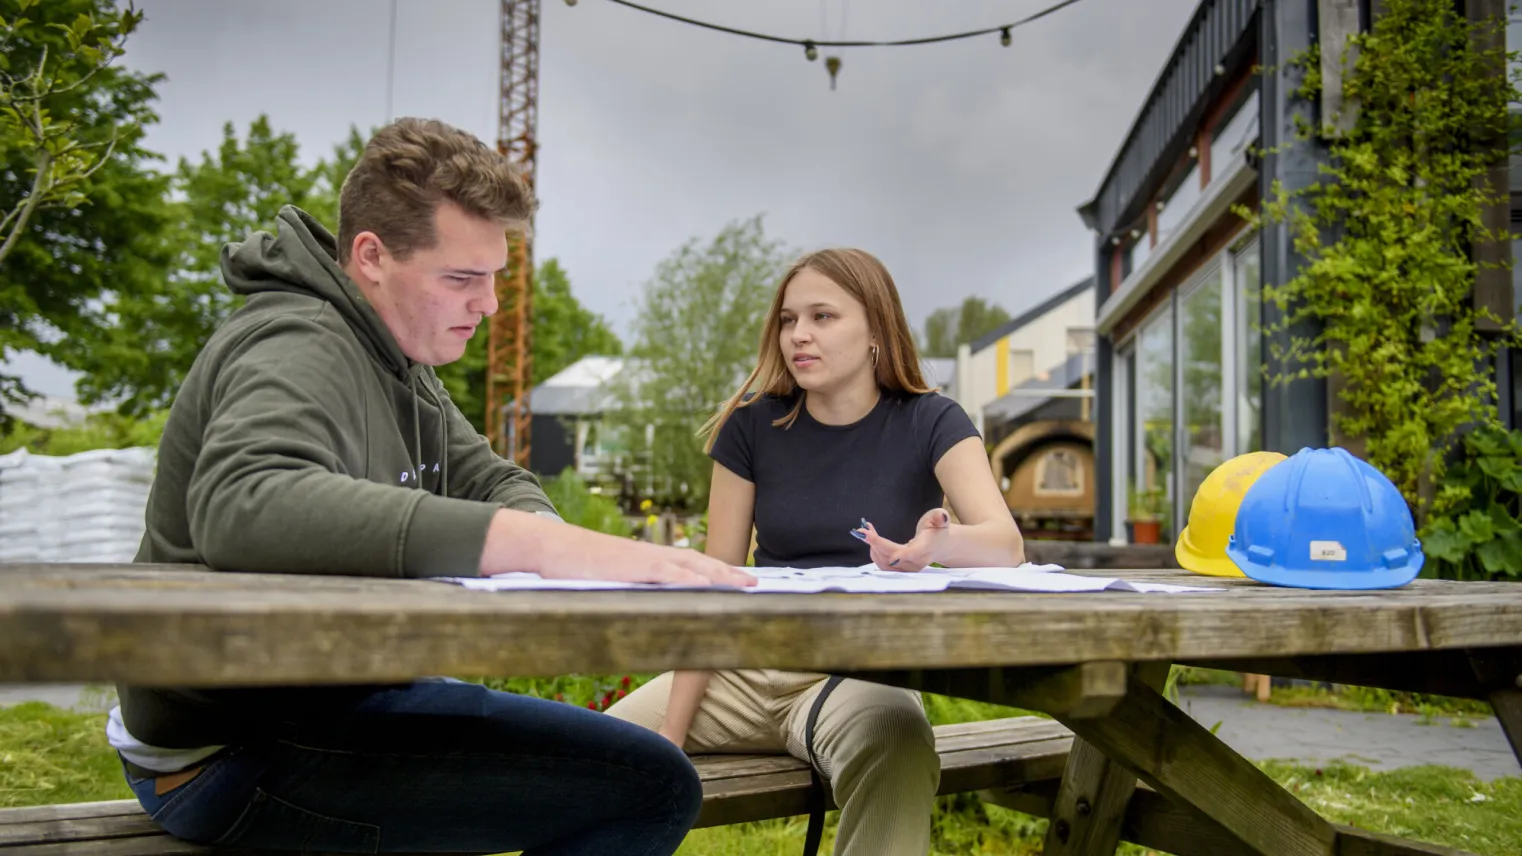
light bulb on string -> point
(1004, 38)
(811, 52)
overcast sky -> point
(960, 165)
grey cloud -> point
(960, 165)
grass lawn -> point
(49, 755)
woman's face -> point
(826, 341)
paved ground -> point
(1259, 731)
(1376, 740)
(74, 696)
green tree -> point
(946, 328)
(695, 339)
(154, 332)
(328, 178)
(564, 331)
(79, 223)
(37, 72)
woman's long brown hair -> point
(864, 278)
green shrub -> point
(578, 505)
(98, 431)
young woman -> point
(842, 458)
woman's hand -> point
(924, 549)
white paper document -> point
(867, 579)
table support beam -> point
(1090, 805)
(1082, 691)
(1152, 821)
(1450, 673)
(1178, 757)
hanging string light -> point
(832, 63)
(811, 46)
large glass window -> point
(1123, 441)
(1246, 266)
(1232, 136)
(1184, 196)
(1201, 380)
(1189, 389)
(1137, 253)
(1153, 456)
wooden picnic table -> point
(1094, 661)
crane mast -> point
(509, 355)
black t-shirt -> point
(815, 483)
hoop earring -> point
(874, 356)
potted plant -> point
(1146, 512)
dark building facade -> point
(1178, 273)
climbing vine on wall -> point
(1387, 236)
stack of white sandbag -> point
(77, 508)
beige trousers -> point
(873, 743)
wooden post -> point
(1258, 686)
(1091, 801)
(1508, 707)
(1501, 672)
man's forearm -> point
(519, 541)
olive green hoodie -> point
(304, 441)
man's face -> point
(434, 300)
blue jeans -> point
(443, 767)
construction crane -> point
(509, 355)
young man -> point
(312, 437)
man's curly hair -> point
(412, 165)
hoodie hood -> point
(302, 258)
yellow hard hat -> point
(1213, 514)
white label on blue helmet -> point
(1328, 551)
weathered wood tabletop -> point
(89, 623)
(1095, 661)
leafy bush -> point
(578, 505)
(99, 431)
(1478, 536)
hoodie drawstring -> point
(417, 428)
(417, 435)
(443, 444)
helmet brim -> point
(1210, 566)
(1349, 580)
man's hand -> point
(623, 560)
(518, 541)
(930, 536)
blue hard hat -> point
(1325, 520)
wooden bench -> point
(1015, 763)
(995, 755)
